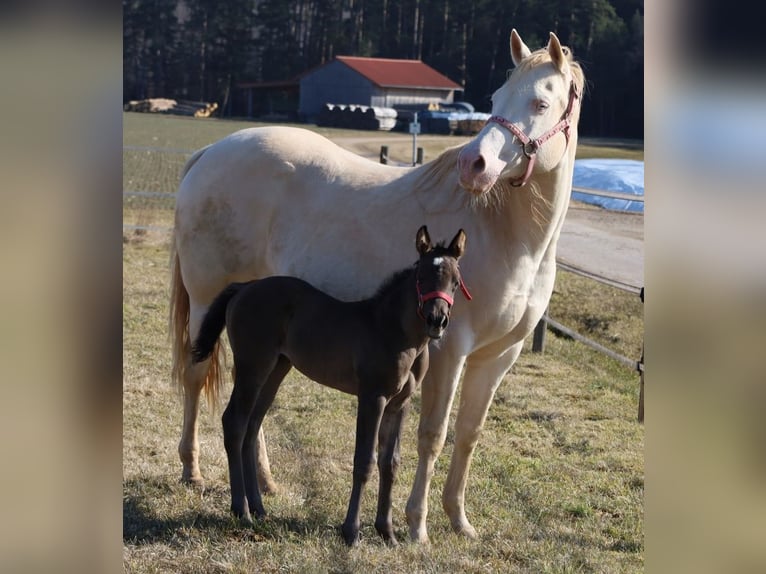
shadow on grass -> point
(147, 520)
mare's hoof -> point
(268, 486)
(243, 517)
(467, 531)
(195, 482)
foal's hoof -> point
(387, 534)
(350, 535)
(390, 540)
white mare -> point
(286, 201)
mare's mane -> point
(439, 176)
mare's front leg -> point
(369, 413)
(483, 375)
(438, 392)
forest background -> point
(202, 49)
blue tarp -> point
(624, 175)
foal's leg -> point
(369, 414)
(236, 419)
(388, 463)
(249, 448)
(438, 392)
(481, 379)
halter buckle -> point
(530, 148)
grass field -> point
(557, 480)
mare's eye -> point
(541, 106)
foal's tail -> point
(179, 333)
(213, 323)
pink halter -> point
(529, 146)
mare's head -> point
(437, 279)
(534, 117)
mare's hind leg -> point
(388, 464)
(368, 417)
(193, 382)
(250, 453)
(265, 480)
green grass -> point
(556, 484)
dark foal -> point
(376, 349)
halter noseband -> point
(530, 146)
(423, 297)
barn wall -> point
(388, 98)
(334, 83)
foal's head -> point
(437, 279)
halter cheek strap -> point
(423, 297)
(530, 146)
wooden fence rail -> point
(538, 337)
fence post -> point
(419, 161)
(384, 154)
(538, 338)
(640, 368)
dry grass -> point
(556, 484)
(557, 480)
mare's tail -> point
(179, 334)
(179, 324)
(213, 323)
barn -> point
(378, 82)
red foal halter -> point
(530, 146)
(423, 297)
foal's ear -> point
(557, 54)
(519, 49)
(457, 245)
(423, 241)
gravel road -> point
(607, 243)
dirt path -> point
(607, 243)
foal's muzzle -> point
(436, 323)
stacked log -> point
(175, 107)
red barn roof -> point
(388, 73)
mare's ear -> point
(557, 54)
(457, 245)
(423, 241)
(519, 49)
